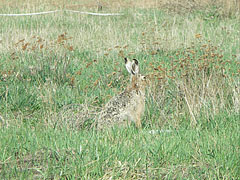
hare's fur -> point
(129, 105)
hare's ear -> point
(128, 65)
(135, 67)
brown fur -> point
(129, 105)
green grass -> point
(57, 71)
(211, 153)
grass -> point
(58, 70)
(122, 153)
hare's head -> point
(138, 81)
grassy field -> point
(58, 70)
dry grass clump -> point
(36, 43)
(197, 81)
(74, 116)
(224, 7)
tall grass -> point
(57, 71)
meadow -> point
(57, 71)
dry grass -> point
(74, 117)
(198, 82)
(226, 5)
(169, 34)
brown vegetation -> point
(225, 6)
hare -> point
(127, 106)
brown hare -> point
(127, 106)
